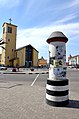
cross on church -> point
(10, 20)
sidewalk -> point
(27, 102)
(25, 71)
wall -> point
(16, 62)
(35, 58)
(21, 56)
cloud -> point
(34, 9)
(68, 4)
(55, 13)
(73, 3)
(44, 13)
(34, 36)
(37, 36)
(67, 18)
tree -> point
(1, 43)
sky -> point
(36, 20)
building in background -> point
(42, 62)
(26, 56)
(73, 60)
(8, 36)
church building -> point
(26, 56)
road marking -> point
(34, 80)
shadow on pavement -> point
(73, 104)
(8, 87)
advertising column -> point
(57, 84)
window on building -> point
(8, 57)
(12, 50)
(9, 40)
(9, 29)
(29, 54)
(3, 30)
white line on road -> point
(34, 80)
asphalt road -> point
(72, 75)
(24, 78)
(22, 96)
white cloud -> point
(67, 18)
(38, 36)
(73, 3)
(68, 4)
(34, 36)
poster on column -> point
(60, 72)
(58, 63)
(60, 52)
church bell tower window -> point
(9, 29)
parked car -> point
(14, 70)
(3, 67)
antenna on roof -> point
(10, 20)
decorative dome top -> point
(57, 36)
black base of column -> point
(57, 104)
(57, 92)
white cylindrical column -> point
(57, 84)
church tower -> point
(8, 36)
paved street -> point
(22, 96)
